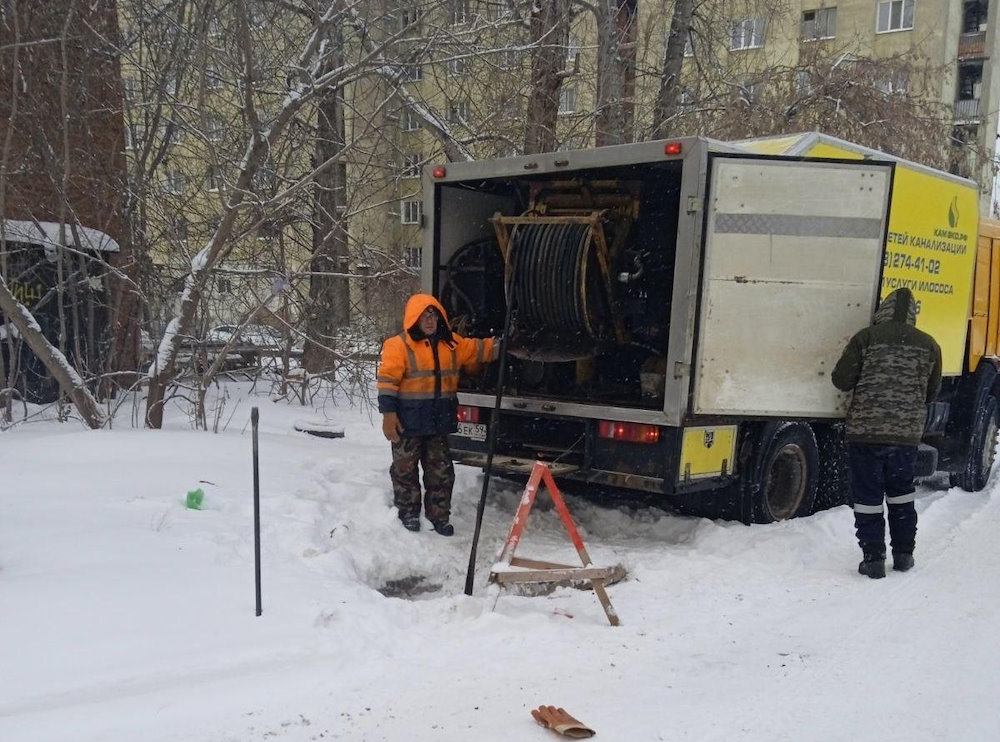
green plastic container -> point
(195, 498)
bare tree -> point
(617, 28)
(550, 24)
(668, 99)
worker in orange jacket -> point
(417, 396)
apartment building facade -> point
(464, 67)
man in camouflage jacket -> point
(894, 370)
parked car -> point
(257, 336)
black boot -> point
(873, 564)
(443, 527)
(410, 522)
(902, 560)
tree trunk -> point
(329, 305)
(617, 26)
(669, 96)
(549, 37)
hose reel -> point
(557, 274)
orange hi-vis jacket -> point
(418, 376)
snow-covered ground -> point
(126, 617)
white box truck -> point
(675, 308)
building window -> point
(130, 88)
(408, 120)
(174, 182)
(747, 34)
(134, 134)
(215, 128)
(460, 12)
(458, 112)
(213, 77)
(457, 66)
(412, 72)
(214, 179)
(974, 17)
(171, 133)
(819, 24)
(572, 50)
(179, 229)
(409, 18)
(803, 82)
(264, 180)
(410, 167)
(896, 84)
(511, 58)
(411, 212)
(269, 230)
(224, 285)
(413, 257)
(895, 15)
(567, 100)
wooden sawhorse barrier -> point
(510, 569)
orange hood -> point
(416, 306)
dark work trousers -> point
(884, 472)
(432, 454)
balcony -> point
(972, 46)
(967, 110)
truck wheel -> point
(782, 475)
(982, 449)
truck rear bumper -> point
(521, 466)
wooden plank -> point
(602, 595)
(553, 575)
(538, 564)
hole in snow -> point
(408, 587)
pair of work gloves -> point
(556, 719)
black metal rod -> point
(254, 418)
(491, 441)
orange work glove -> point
(556, 719)
(391, 427)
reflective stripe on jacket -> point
(418, 379)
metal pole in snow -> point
(254, 418)
(490, 446)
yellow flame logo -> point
(953, 212)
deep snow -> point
(126, 617)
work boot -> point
(902, 561)
(410, 522)
(873, 563)
(443, 527)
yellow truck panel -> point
(931, 249)
(984, 326)
(931, 246)
(707, 452)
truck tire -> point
(982, 449)
(781, 472)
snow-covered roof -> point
(46, 234)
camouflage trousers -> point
(433, 456)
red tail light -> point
(629, 432)
(468, 414)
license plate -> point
(475, 431)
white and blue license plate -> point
(475, 431)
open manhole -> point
(408, 587)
